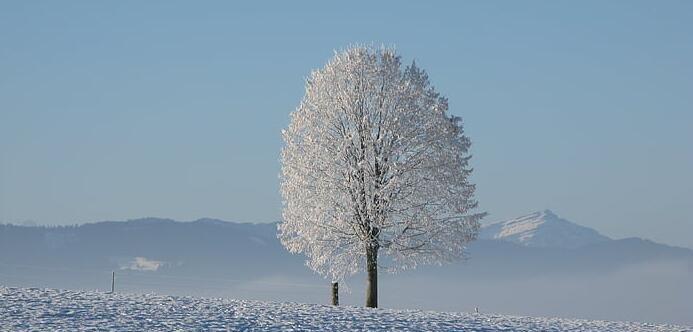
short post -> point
(113, 282)
(335, 293)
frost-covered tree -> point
(373, 164)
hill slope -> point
(49, 309)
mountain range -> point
(526, 265)
(542, 229)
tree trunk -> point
(372, 282)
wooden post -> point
(335, 293)
(113, 282)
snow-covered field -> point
(24, 309)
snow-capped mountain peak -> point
(542, 229)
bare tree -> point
(373, 163)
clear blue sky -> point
(125, 109)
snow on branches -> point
(373, 160)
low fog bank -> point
(659, 292)
(650, 292)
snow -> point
(542, 229)
(65, 310)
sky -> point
(127, 109)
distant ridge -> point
(542, 229)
